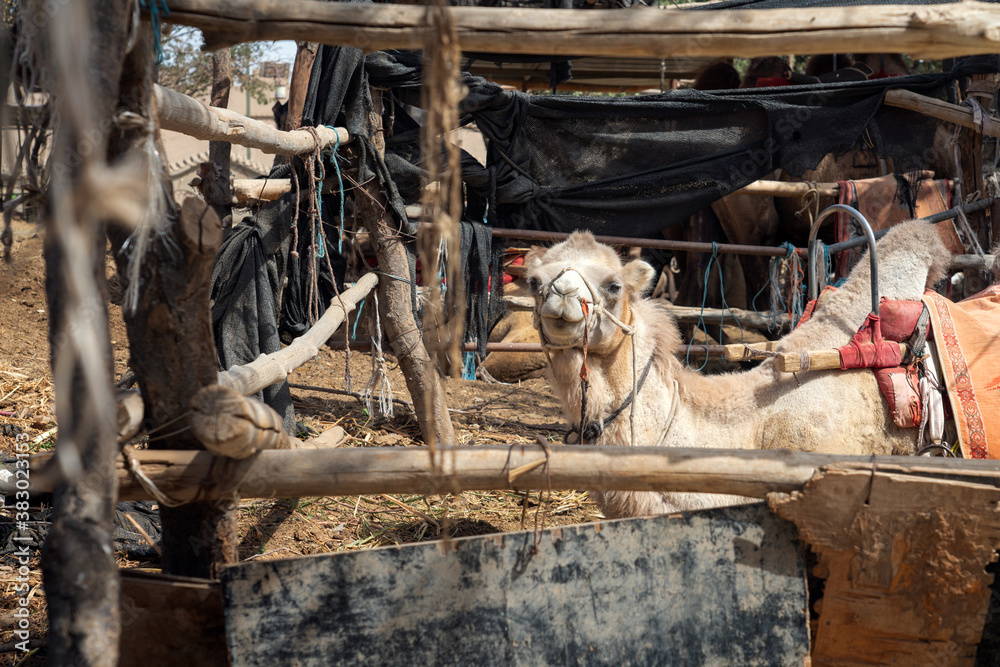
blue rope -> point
(469, 366)
(704, 297)
(154, 19)
(340, 185)
(357, 318)
(320, 235)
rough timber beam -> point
(935, 31)
(187, 475)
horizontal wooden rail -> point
(249, 191)
(181, 113)
(935, 31)
(941, 110)
(187, 475)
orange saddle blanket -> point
(967, 334)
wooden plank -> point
(904, 562)
(713, 588)
(922, 31)
(168, 621)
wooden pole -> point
(305, 55)
(236, 426)
(396, 305)
(81, 75)
(248, 191)
(982, 88)
(816, 360)
(181, 113)
(173, 356)
(187, 475)
(268, 369)
(923, 32)
(941, 110)
(215, 175)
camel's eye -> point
(533, 284)
(614, 288)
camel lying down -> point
(839, 412)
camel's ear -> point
(638, 277)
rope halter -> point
(594, 428)
(591, 309)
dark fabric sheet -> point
(246, 285)
(634, 165)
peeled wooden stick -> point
(233, 425)
(181, 113)
(815, 360)
(745, 352)
(268, 369)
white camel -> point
(839, 412)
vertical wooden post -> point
(216, 184)
(305, 55)
(170, 339)
(81, 73)
(982, 88)
(396, 308)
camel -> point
(820, 411)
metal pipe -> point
(366, 345)
(662, 244)
(869, 235)
(974, 207)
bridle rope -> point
(590, 430)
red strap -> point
(868, 350)
(772, 81)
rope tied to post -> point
(714, 259)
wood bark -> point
(78, 565)
(396, 307)
(904, 562)
(237, 426)
(305, 55)
(923, 32)
(173, 356)
(216, 175)
(269, 369)
(181, 113)
(191, 475)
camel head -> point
(581, 269)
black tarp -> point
(631, 166)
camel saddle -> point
(872, 347)
(968, 361)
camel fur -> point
(838, 412)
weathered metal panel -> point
(722, 587)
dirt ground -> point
(483, 414)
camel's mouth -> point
(562, 332)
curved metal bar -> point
(869, 234)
